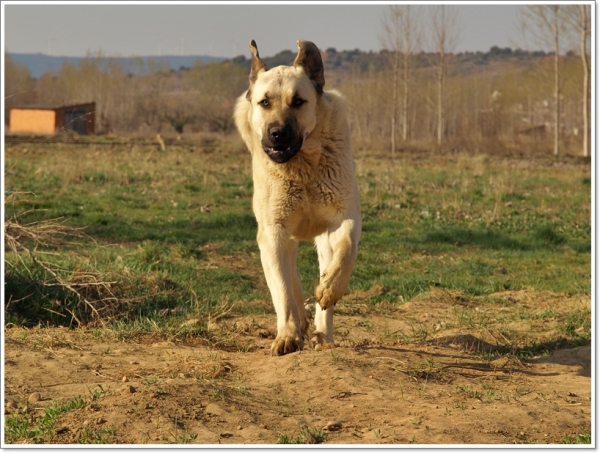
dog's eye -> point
(265, 103)
(297, 102)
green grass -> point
(458, 235)
(581, 438)
(40, 429)
(99, 436)
(175, 231)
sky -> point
(224, 30)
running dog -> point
(304, 188)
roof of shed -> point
(53, 107)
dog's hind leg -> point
(303, 313)
(276, 252)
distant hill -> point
(341, 61)
(39, 63)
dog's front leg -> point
(343, 243)
(277, 251)
(323, 333)
(337, 249)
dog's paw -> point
(320, 342)
(326, 297)
(286, 345)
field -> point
(136, 310)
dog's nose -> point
(279, 133)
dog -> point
(304, 188)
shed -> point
(40, 119)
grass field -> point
(145, 239)
(181, 222)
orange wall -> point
(32, 121)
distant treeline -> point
(502, 94)
(353, 59)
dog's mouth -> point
(282, 154)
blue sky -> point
(224, 30)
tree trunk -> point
(586, 81)
(556, 82)
(395, 100)
(405, 97)
(441, 81)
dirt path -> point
(366, 391)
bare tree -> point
(19, 86)
(148, 103)
(401, 37)
(585, 33)
(179, 110)
(556, 38)
(147, 108)
(579, 19)
(546, 23)
(215, 87)
(445, 38)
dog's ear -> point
(309, 58)
(257, 67)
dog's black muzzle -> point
(281, 144)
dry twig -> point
(30, 238)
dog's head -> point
(284, 100)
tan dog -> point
(304, 188)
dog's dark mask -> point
(281, 142)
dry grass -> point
(31, 242)
(31, 239)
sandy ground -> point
(372, 389)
